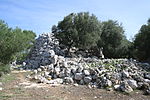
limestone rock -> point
(117, 87)
(125, 74)
(126, 88)
(87, 79)
(68, 80)
(86, 72)
(1, 88)
(56, 81)
(132, 84)
(78, 76)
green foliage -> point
(125, 49)
(85, 32)
(142, 43)
(7, 77)
(13, 41)
(113, 40)
(80, 30)
(4, 69)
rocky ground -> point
(16, 86)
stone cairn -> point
(51, 67)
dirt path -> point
(17, 87)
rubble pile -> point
(51, 67)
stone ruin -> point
(50, 66)
(45, 51)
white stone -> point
(55, 59)
(56, 81)
(46, 73)
(68, 80)
(61, 74)
(147, 76)
(65, 64)
(35, 71)
(39, 69)
(75, 85)
(147, 81)
(116, 87)
(1, 88)
(86, 72)
(57, 70)
(126, 88)
(125, 74)
(132, 84)
(108, 83)
(52, 53)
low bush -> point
(4, 69)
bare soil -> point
(20, 88)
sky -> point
(40, 15)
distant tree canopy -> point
(113, 40)
(85, 31)
(80, 30)
(142, 43)
(13, 41)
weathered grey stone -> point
(78, 76)
(68, 80)
(57, 70)
(50, 67)
(55, 59)
(94, 77)
(73, 70)
(125, 87)
(79, 69)
(107, 83)
(109, 89)
(62, 74)
(148, 91)
(81, 82)
(87, 79)
(117, 87)
(147, 81)
(39, 69)
(52, 53)
(46, 74)
(140, 84)
(145, 85)
(43, 79)
(35, 71)
(132, 84)
(75, 85)
(147, 76)
(86, 72)
(65, 64)
(56, 81)
(125, 74)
